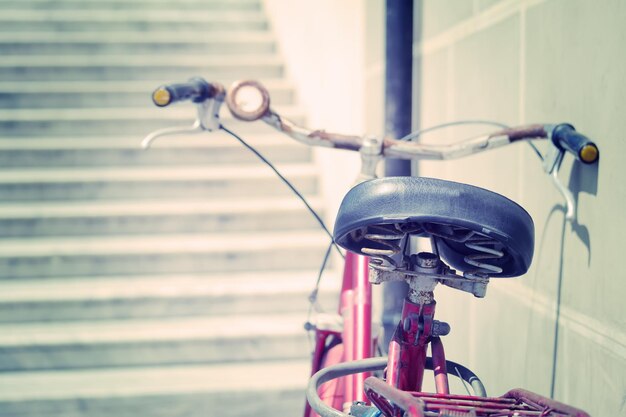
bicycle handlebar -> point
(409, 150)
(563, 135)
(250, 101)
(196, 89)
(405, 149)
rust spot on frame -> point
(339, 141)
(523, 132)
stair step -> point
(16, 20)
(63, 43)
(162, 341)
(165, 254)
(144, 218)
(89, 94)
(216, 148)
(121, 120)
(112, 38)
(137, 67)
(156, 184)
(216, 141)
(178, 37)
(225, 390)
(111, 298)
(179, 112)
(98, 5)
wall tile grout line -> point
(611, 338)
(474, 24)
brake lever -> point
(207, 120)
(147, 141)
(551, 164)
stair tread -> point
(182, 113)
(128, 37)
(152, 330)
(104, 86)
(54, 2)
(137, 60)
(133, 142)
(262, 283)
(141, 208)
(150, 174)
(126, 382)
(156, 244)
(202, 2)
(149, 15)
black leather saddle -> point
(473, 229)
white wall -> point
(334, 55)
(322, 43)
(517, 62)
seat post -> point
(409, 344)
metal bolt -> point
(440, 328)
(426, 260)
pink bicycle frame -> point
(356, 341)
(407, 350)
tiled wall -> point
(515, 62)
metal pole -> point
(398, 123)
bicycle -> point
(475, 235)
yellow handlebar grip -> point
(161, 97)
(589, 153)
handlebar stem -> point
(371, 153)
(209, 113)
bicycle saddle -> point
(473, 229)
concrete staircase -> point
(171, 282)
